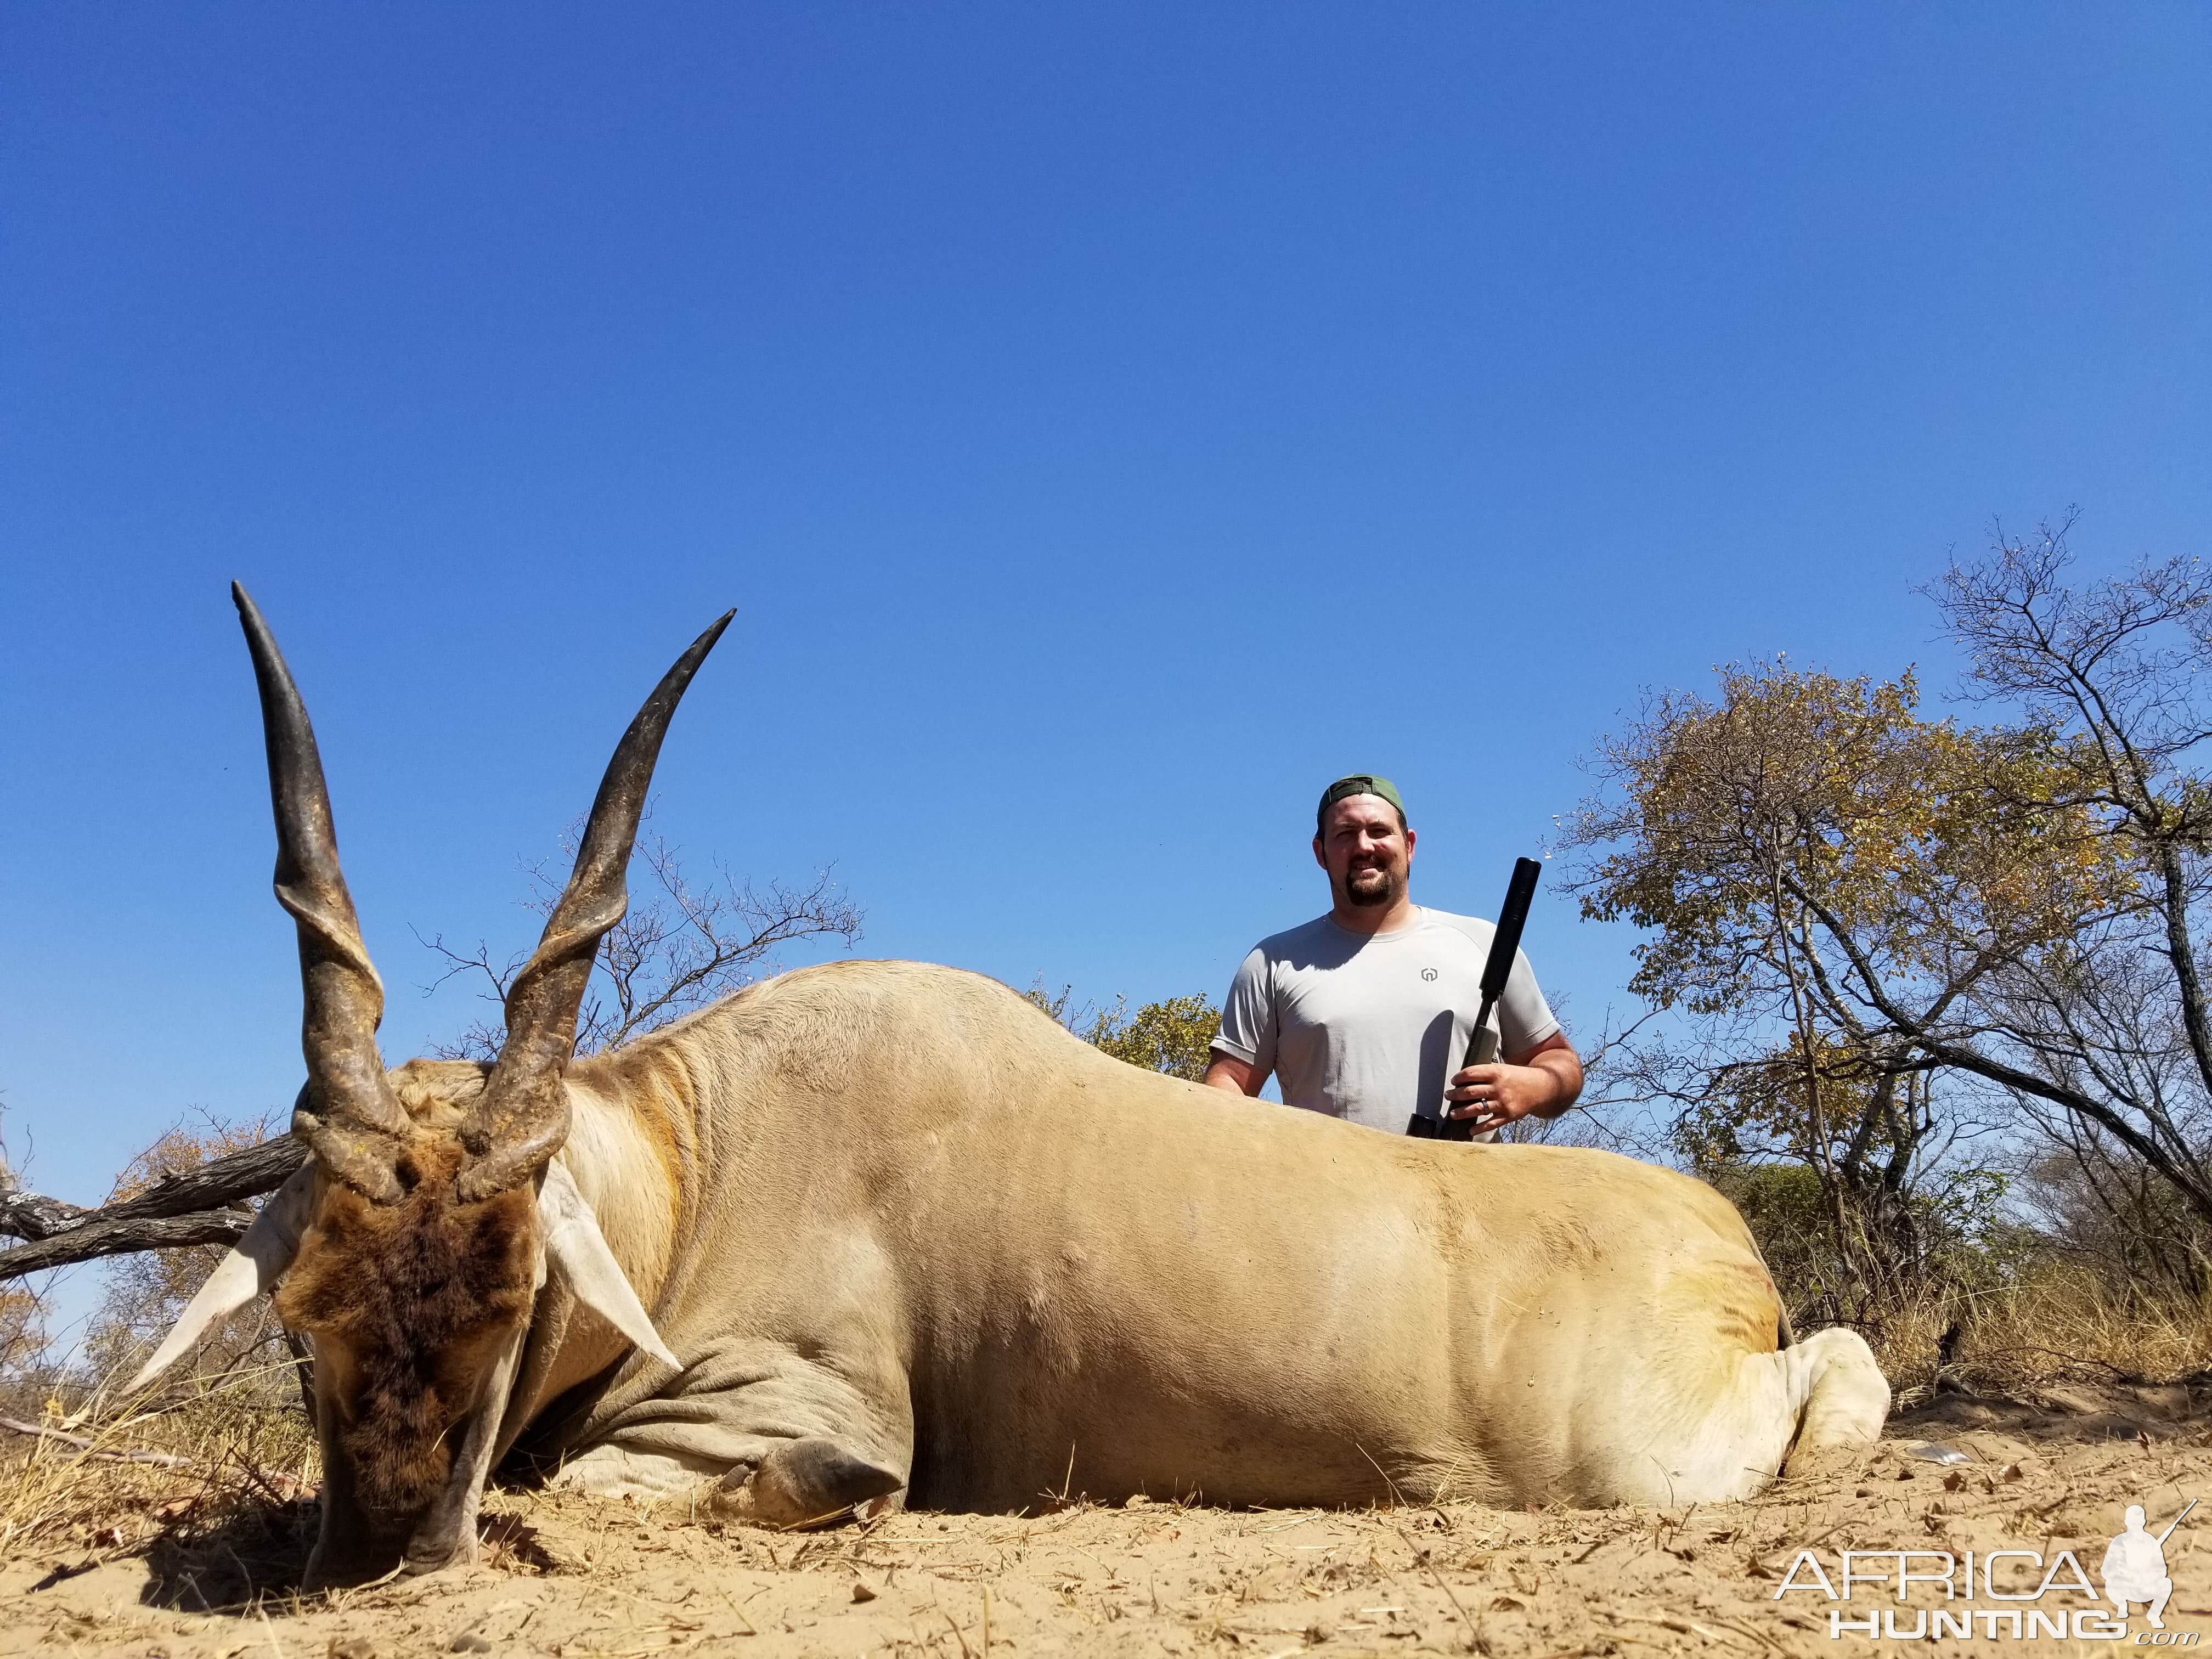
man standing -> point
(1365, 1012)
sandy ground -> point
(571, 1577)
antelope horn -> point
(521, 1118)
(346, 1113)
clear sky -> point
(1110, 421)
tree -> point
(678, 948)
(2104, 1039)
(24, 1337)
(1824, 877)
(1172, 1037)
(22, 1331)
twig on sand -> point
(1679, 1626)
(1814, 1542)
(1760, 1636)
(751, 1628)
(1467, 1624)
(1598, 1546)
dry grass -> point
(243, 1468)
(246, 1457)
(2058, 1325)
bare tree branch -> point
(675, 951)
(219, 1182)
(679, 947)
(92, 1449)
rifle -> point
(1482, 1045)
(2176, 1521)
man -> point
(1365, 1012)
(2134, 1569)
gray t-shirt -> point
(1369, 1027)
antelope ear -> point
(577, 1250)
(254, 1264)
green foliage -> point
(1172, 1037)
(1796, 803)
(1175, 1036)
(1061, 1008)
(1806, 855)
(1964, 1223)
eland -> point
(878, 1232)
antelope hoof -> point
(804, 1483)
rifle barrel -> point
(1512, 917)
(2177, 1521)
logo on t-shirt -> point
(1428, 973)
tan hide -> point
(894, 1207)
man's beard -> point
(1383, 892)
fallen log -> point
(199, 1205)
(102, 1236)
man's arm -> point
(1539, 1082)
(1239, 1076)
(1247, 1028)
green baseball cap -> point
(1358, 783)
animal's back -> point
(1184, 1288)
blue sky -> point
(1111, 422)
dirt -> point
(569, 1577)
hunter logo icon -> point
(2135, 1566)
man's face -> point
(1366, 851)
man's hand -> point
(1542, 1083)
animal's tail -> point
(1838, 1394)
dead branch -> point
(676, 949)
(127, 1455)
(30, 1215)
(222, 1180)
(216, 1184)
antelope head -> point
(410, 1249)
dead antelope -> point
(908, 1240)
